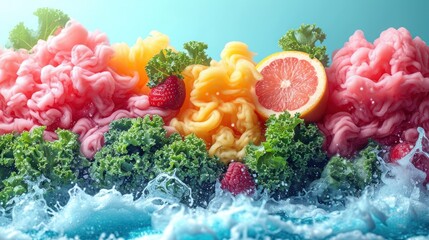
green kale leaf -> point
(50, 20)
(126, 159)
(197, 53)
(290, 158)
(349, 176)
(27, 157)
(137, 150)
(189, 160)
(168, 62)
(304, 39)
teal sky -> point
(257, 23)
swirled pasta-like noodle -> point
(219, 107)
(131, 60)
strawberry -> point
(169, 94)
(238, 180)
(419, 160)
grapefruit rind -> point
(315, 107)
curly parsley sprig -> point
(50, 20)
(168, 62)
(304, 39)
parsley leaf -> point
(49, 21)
(168, 62)
(304, 39)
(197, 52)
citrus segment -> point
(291, 81)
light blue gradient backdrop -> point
(257, 23)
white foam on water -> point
(7, 233)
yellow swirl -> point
(130, 61)
(218, 107)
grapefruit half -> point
(291, 81)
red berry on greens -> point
(238, 180)
(169, 94)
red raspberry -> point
(238, 180)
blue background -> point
(257, 23)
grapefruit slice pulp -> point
(291, 81)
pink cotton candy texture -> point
(377, 90)
(65, 82)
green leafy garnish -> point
(304, 39)
(137, 150)
(190, 161)
(49, 21)
(349, 176)
(28, 157)
(290, 158)
(126, 159)
(197, 53)
(168, 62)
(355, 173)
(165, 64)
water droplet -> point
(232, 125)
(217, 93)
(361, 88)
